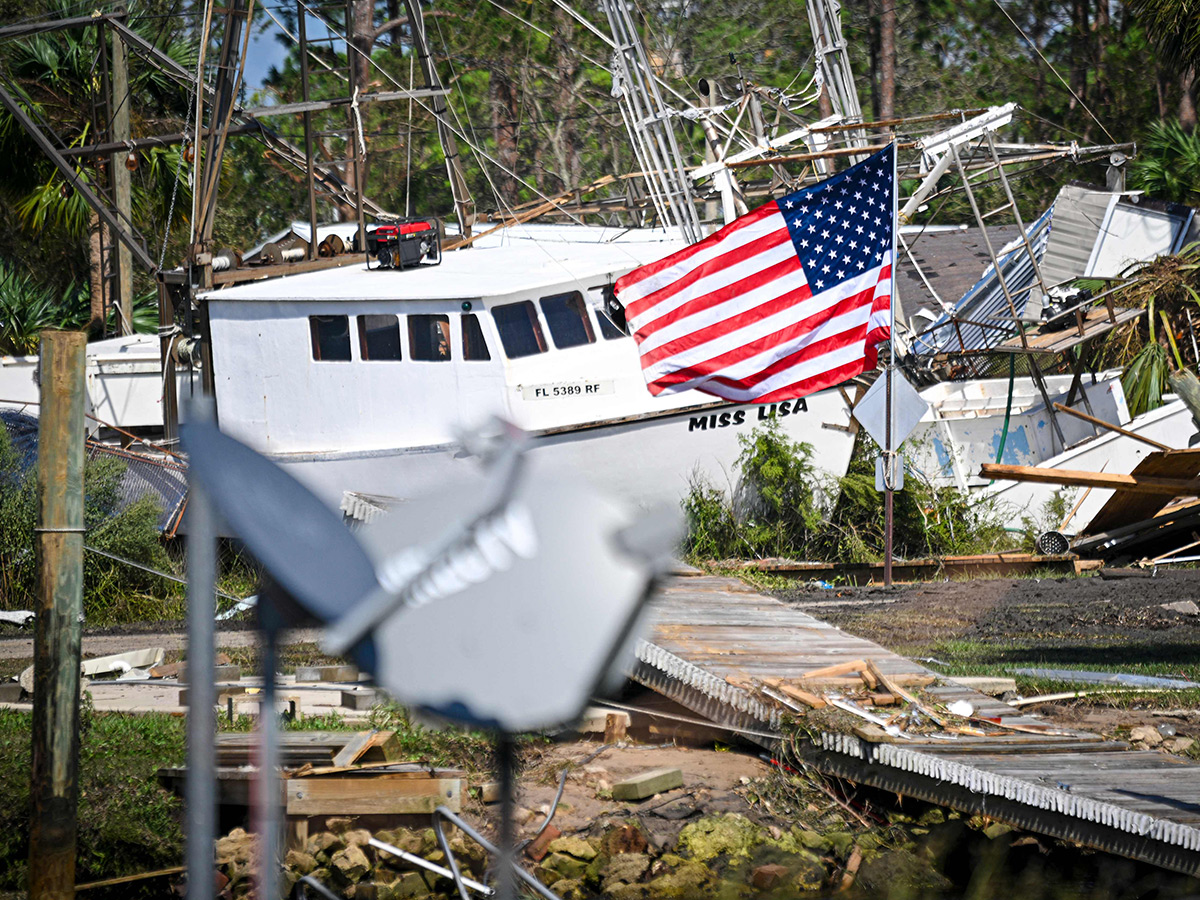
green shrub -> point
(782, 508)
(112, 591)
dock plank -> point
(1074, 785)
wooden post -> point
(56, 646)
(121, 181)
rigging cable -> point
(1050, 65)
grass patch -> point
(127, 823)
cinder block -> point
(647, 784)
(10, 692)
(327, 673)
(364, 699)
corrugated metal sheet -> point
(1079, 213)
(985, 302)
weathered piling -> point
(56, 648)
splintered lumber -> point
(855, 665)
(376, 794)
(129, 879)
(1123, 508)
(795, 693)
(1133, 484)
(317, 748)
(890, 683)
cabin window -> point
(330, 338)
(429, 338)
(568, 320)
(474, 347)
(520, 331)
(378, 337)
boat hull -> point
(645, 461)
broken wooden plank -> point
(1124, 509)
(359, 747)
(377, 795)
(805, 697)
(1133, 484)
(855, 665)
(129, 879)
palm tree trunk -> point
(1187, 99)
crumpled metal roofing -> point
(985, 302)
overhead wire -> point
(1050, 65)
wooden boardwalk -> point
(714, 640)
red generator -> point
(404, 244)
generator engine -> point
(405, 243)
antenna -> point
(463, 600)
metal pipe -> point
(428, 866)
(201, 786)
(57, 639)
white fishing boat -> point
(360, 379)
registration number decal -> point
(566, 390)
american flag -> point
(789, 299)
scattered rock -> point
(684, 883)
(766, 877)
(339, 825)
(1181, 744)
(323, 845)
(573, 846)
(299, 862)
(997, 829)
(237, 846)
(683, 808)
(730, 835)
(625, 868)
(350, 864)
(1145, 734)
(566, 866)
(359, 838)
(626, 839)
(1187, 607)
(570, 889)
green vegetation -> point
(127, 823)
(113, 592)
(781, 506)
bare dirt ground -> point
(1114, 623)
(1066, 620)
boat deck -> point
(714, 640)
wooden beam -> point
(1135, 484)
(375, 795)
(1111, 427)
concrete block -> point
(10, 692)
(363, 699)
(490, 792)
(595, 718)
(647, 784)
(327, 673)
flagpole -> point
(888, 451)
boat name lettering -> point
(566, 389)
(738, 417)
